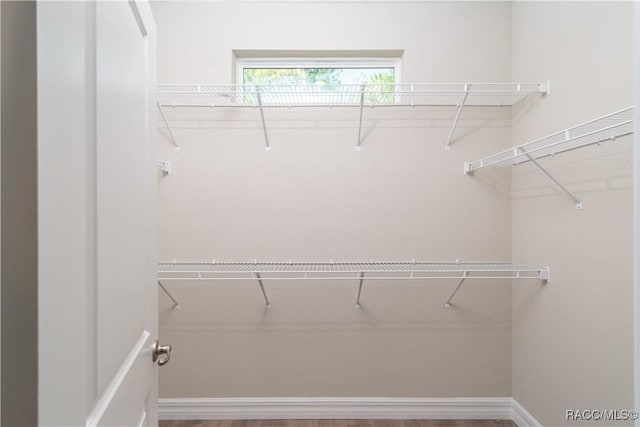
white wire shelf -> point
(606, 128)
(261, 97)
(371, 95)
(269, 271)
(311, 270)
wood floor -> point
(338, 423)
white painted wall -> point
(442, 42)
(573, 339)
(314, 198)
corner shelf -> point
(261, 97)
(361, 271)
(605, 128)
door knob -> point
(161, 353)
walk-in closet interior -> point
(452, 239)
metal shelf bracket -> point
(165, 167)
(467, 168)
(264, 293)
(362, 90)
(460, 105)
(176, 305)
(545, 88)
(545, 275)
(264, 124)
(464, 277)
(176, 147)
(357, 306)
(577, 201)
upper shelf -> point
(605, 128)
(370, 95)
(364, 95)
(601, 129)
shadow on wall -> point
(525, 299)
(402, 342)
(594, 169)
(522, 108)
(608, 166)
(330, 305)
(499, 179)
(278, 119)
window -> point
(320, 82)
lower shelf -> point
(361, 271)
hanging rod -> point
(361, 271)
(605, 128)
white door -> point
(97, 214)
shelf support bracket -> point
(264, 293)
(577, 201)
(359, 290)
(264, 124)
(362, 89)
(545, 275)
(460, 105)
(176, 147)
(464, 277)
(165, 167)
(176, 305)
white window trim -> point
(242, 63)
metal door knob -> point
(161, 353)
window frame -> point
(347, 62)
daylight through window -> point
(335, 82)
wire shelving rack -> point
(262, 97)
(360, 271)
(605, 128)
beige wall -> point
(313, 198)
(442, 42)
(573, 339)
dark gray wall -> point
(19, 215)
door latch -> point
(161, 353)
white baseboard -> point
(499, 408)
(521, 416)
